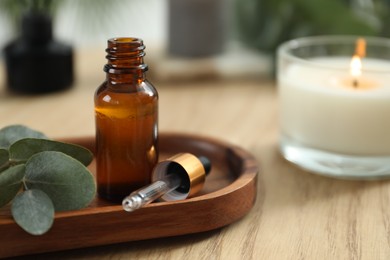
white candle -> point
(321, 108)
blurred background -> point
(197, 39)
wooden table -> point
(297, 215)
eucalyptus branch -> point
(52, 175)
(5, 166)
(13, 162)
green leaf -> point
(68, 183)
(13, 133)
(10, 183)
(23, 149)
(33, 211)
(4, 158)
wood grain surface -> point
(297, 215)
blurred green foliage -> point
(94, 12)
(14, 9)
(264, 24)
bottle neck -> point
(125, 61)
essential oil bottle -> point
(126, 115)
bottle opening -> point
(125, 54)
(125, 45)
(126, 39)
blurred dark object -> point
(35, 62)
(264, 24)
(196, 27)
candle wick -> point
(355, 83)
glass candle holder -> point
(334, 94)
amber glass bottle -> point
(126, 110)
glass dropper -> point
(146, 195)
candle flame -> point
(360, 49)
(356, 62)
(356, 66)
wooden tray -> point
(229, 193)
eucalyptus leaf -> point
(23, 149)
(4, 158)
(65, 180)
(33, 211)
(10, 183)
(13, 133)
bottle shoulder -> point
(139, 88)
(150, 88)
(141, 93)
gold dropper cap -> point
(191, 169)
